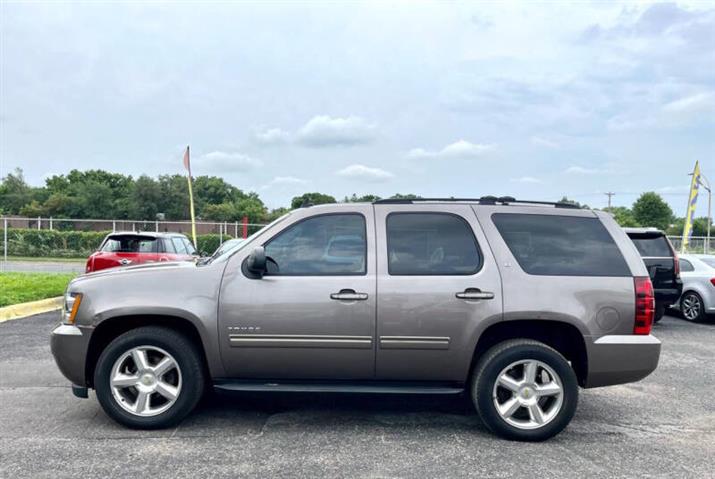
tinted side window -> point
(653, 247)
(169, 246)
(179, 245)
(322, 245)
(561, 245)
(686, 266)
(430, 244)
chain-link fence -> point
(696, 244)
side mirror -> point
(256, 261)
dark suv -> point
(515, 303)
(663, 267)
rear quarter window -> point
(556, 245)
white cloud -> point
(673, 189)
(325, 131)
(366, 173)
(525, 179)
(612, 168)
(458, 149)
(540, 141)
(579, 170)
(285, 182)
(223, 162)
(692, 104)
(272, 136)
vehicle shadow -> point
(273, 402)
(330, 410)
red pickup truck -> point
(131, 248)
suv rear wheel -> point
(524, 390)
(149, 378)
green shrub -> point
(209, 243)
(74, 244)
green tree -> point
(651, 210)
(276, 213)
(252, 207)
(361, 199)
(14, 192)
(174, 197)
(408, 196)
(622, 215)
(212, 190)
(311, 198)
(221, 212)
(565, 199)
(145, 198)
(33, 209)
(700, 227)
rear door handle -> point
(475, 293)
(348, 295)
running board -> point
(338, 387)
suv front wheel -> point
(149, 378)
(524, 390)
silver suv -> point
(515, 303)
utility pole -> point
(609, 194)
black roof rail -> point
(484, 200)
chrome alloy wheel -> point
(145, 381)
(528, 394)
(690, 307)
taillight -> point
(712, 281)
(676, 265)
(645, 305)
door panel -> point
(289, 327)
(426, 332)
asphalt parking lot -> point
(663, 426)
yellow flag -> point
(187, 165)
(690, 213)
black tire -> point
(685, 311)
(659, 312)
(502, 355)
(190, 364)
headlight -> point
(72, 302)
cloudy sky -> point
(534, 100)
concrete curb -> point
(28, 309)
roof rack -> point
(484, 200)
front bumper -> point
(69, 346)
(618, 359)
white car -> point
(698, 274)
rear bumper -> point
(69, 346)
(618, 359)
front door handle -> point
(475, 293)
(348, 295)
